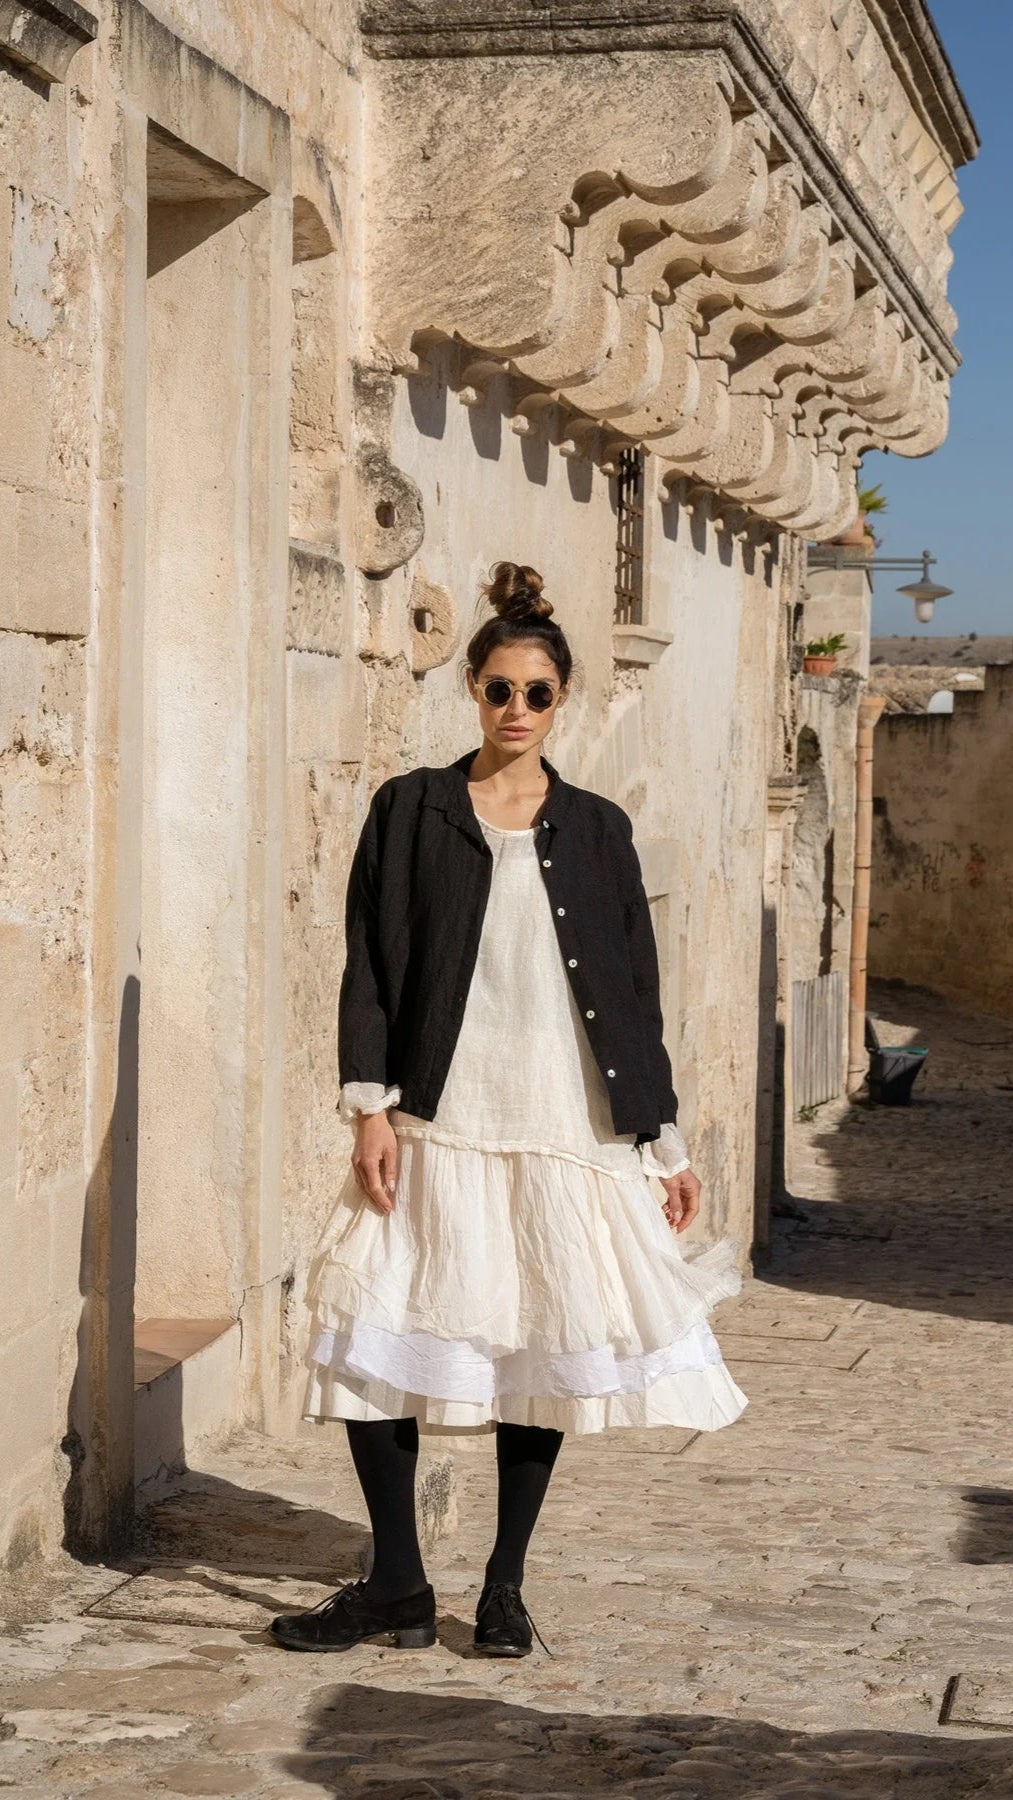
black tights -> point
(385, 1452)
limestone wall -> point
(156, 217)
(45, 609)
(942, 866)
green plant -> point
(872, 500)
(826, 646)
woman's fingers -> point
(370, 1178)
(388, 1168)
(683, 1202)
(374, 1160)
(689, 1194)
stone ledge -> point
(43, 35)
(640, 645)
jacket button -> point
(589, 1015)
(610, 1072)
(572, 964)
(561, 910)
(546, 864)
(545, 824)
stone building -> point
(942, 871)
(308, 312)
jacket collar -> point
(450, 792)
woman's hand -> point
(374, 1159)
(683, 1202)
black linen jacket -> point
(416, 899)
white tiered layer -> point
(527, 1272)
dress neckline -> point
(505, 830)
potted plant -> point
(871, 500)
(820, 654)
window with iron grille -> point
(629, 607)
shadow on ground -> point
(239, 1530)
(921, 1213)
(425, 1746)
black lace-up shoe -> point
(503, 1624)
(351, 1616)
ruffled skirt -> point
(522, 1286)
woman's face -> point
(515, 725)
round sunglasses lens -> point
(540, 696)
(497, 693)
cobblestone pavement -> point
(817, 1601)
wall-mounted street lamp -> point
(924, 593)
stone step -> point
(186, 1391)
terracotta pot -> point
(819, 665)
(855, 535)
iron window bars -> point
(629, 592)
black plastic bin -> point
(893, 1071)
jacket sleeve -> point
(646, 979)
(362, 1012)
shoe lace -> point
(509, 1597)
(331, 1603)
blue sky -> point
(959, 502)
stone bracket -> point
(639, 645)
(43, 35)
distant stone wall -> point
(942, 869)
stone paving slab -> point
(975, 1700)
(792, 1352)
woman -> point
(497, 1253)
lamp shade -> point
(925, 590)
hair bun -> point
(515, 592)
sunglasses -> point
(498, 691)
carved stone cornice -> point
(915, 48)
(466, 28)
(42, 35)
(555, 27)
(639, 251)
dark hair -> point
(522, 615)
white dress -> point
(527, 1272)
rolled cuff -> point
(667, 1155)
(365, 1097)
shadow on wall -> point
(98, 1500)
(923, 1220)
(427, 397)
(443, 373)
(449, 1747)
